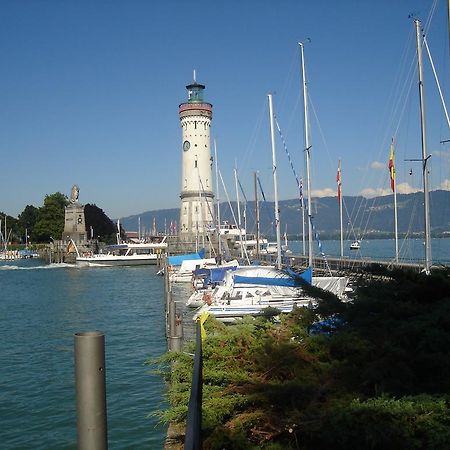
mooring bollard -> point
(90, 375)
(174, 327)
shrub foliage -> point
(380, 381)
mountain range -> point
(362, 217)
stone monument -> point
(74, 223)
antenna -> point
(195, 77)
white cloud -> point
(370, 193)
(405, 188)
(402, 188)
(445, 185)
(327, 192)
(377, 165)
(441, 154)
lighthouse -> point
(197, 210)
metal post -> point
(90, 374)
(193, 439)
(175, 332)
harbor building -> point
(197, 208)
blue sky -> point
(89, 94)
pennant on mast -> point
(391, 166)
(338, 181)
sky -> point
(89, 95)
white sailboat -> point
(6, 254)
(275, 183)
(425, 157)
(331, 283)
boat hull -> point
(113, 261)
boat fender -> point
(207, 298)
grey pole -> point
(90, 374)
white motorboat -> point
(355, 245)
(250, 244)
(271, 248)
(125, 254)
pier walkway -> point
(341, 265)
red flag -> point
(391, 166)
(338, 180)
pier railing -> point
(343, 265)
(193, 439)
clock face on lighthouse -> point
(186, 145)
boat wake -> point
(43, 267)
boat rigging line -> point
(302, 203)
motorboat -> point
(125, 254)
(355, 245)
(271, 248)
(249, 243)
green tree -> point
(50, 218)
(26, 220)
(102, 226)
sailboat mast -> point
(307, 154)
(394, 190)
(425, 157)
(303, 217)
(339, 187)
(238, 204)
(219, 243)
(256, 214)
(275, 183)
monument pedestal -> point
(74, 224)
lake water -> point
(410, 250)
(41, 308)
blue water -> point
(41, 308)
(410, 250)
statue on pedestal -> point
(74, 220)
(75, 192)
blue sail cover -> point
(305, 276)
(176, 260)
(293, 281)
(214, 274)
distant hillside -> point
(361, 216)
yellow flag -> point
(202, 318)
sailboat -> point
(6, 254)
(331, 283)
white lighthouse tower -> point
(197, 210)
